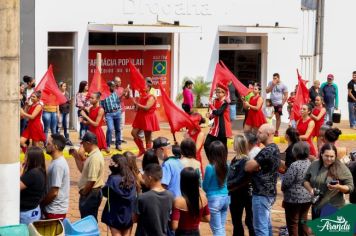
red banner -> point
(151, 63)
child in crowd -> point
(269, 111)
(153, 207)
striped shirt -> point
(111, 103)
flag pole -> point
(98, 61)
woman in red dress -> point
(145, 118)
(34, 130)
(255, 117)
(305, 127)
(318, 115)
(95, 120)
(198, 136)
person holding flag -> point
(220, 112)
(34, 129)
(255, 117)
(305, 127)
(95, 120)
(145, 118)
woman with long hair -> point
(255, 117)
(145, 118)
(198, 136)
(241, 197)
(95, 120)
(292, 137)
(32, 185)
(215, 186)
(327, 180)
(34, 130)
(120, 191)
(318, 115)
(131, 161)
(190, 208)
(82, 103)
(188, 98)
(64, 110)
(305, 127)
(296, 199)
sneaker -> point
(276, 133)
(118, 147)
(123, 141)
(69, 143)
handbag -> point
(336, 116)
(237, 176)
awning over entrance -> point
(255, 30)
(131, 28)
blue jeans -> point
(49, 122)
(218, 206)
(64, 125)
(352, 114)
(23, 125)
(233, 112)
(261, 208)
(113, 122)
(329, 114)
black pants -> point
(240, 200)
(186, 108)
(296, 216)
(187, 232)
(89, 204)
(210, 138)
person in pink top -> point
(122, 94)
(188, 98)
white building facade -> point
(185, 38)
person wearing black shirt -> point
(233, 101)
(32, 185)
(351, 99)
(264, 169)
(314, 91)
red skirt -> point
(146, 122)
(34, 132)
(100, 136)
(255, 118)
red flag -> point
(98, 84)
(301, 98)
(240, 87)
(137, 81)
(51, 95)
(220, 76)
(177, 118)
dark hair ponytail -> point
(189, 185)
(293, 134)
(187, 83)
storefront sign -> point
(152, 63)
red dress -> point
(318, 123)
(34, 128)
(97, 130)
(255, 118)
(302, 128)
(146, 120)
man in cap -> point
(171, 166)
(112, 108)
(92, 178)
(330, 93)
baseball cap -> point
(160, 142)
(90, 137)
(111, 83)
(148, 80)
(330, 76)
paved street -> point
(277, 211)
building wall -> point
(339, 47)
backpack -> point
(237, 176)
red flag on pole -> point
(301, 98)
(51, 95)
(177, 118)
(98, 84)
(240, 87)
(220, 76)
(137, 80)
